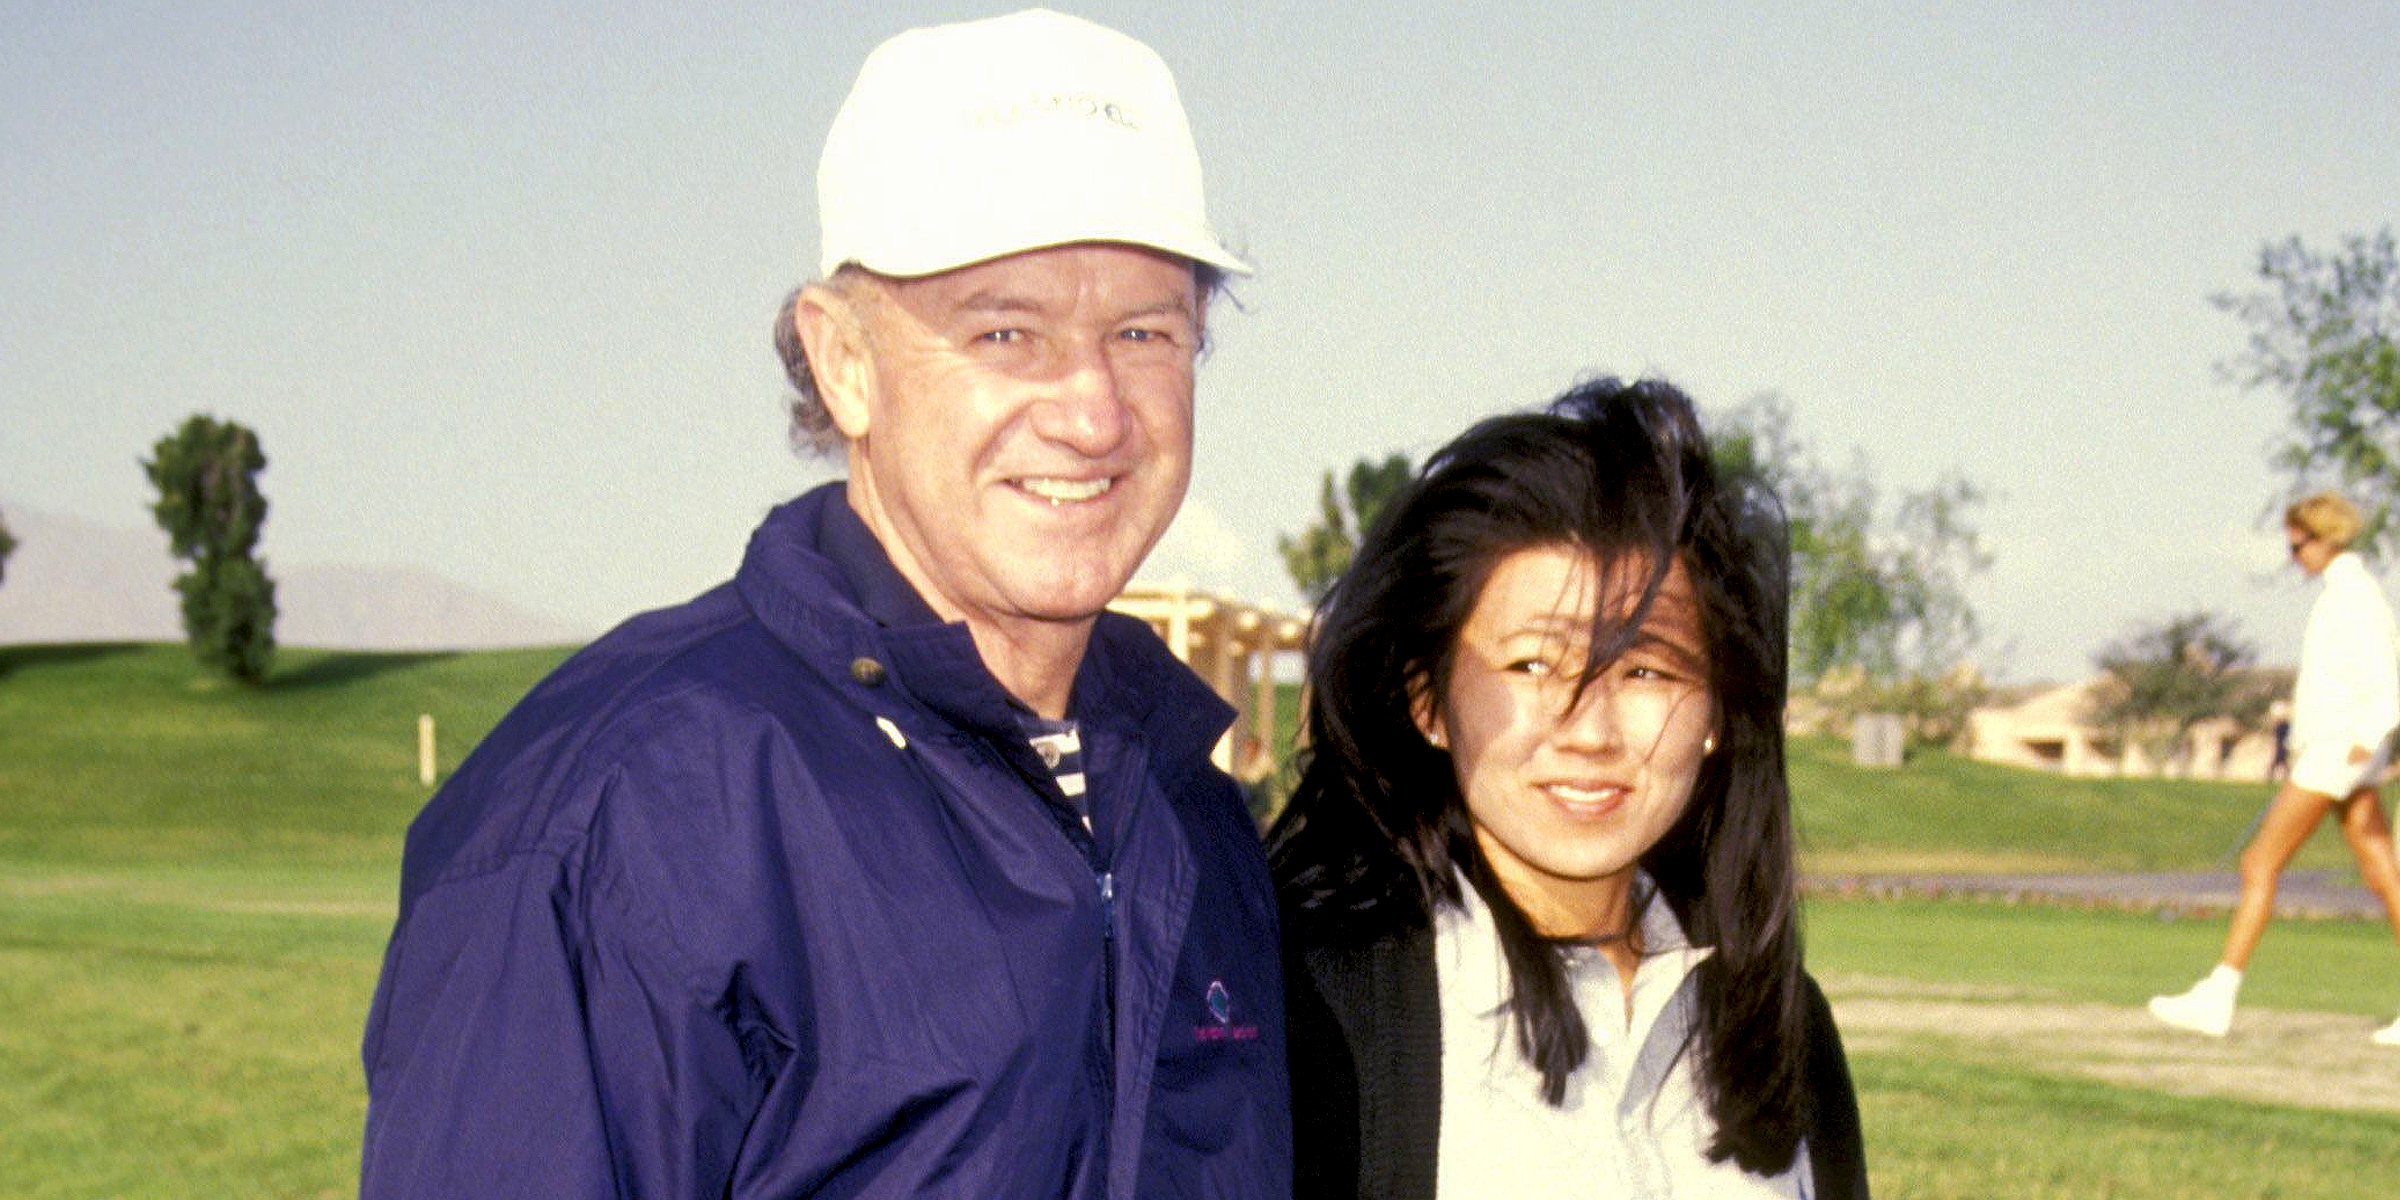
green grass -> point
(172, 1047)
(1945, 1130)
(2100, 955)
(196, 880)
(1965, 1119)
(1946, 813)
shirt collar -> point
(1474, 971)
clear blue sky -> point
(494, 281)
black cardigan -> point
(1365, 1031)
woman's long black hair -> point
(1377, 834)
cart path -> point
(2312, 893)
(2306, 1059)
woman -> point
(1537, 872)
(2345, 703)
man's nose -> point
(1085, 409)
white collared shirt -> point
(2348, 690)
(1633, 1123)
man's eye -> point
(1157, 336)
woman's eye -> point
(1001, 336)
(1658, 672)
(1536, 667)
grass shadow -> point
(348, 666)
(52, 654)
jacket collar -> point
(821, 584)
(865, 567)
(2345, 568)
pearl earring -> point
(1708, 745)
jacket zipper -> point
(1071, 826)
(1108, 976)
(1105, 880)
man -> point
(893, 867)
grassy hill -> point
(1945, 813)
(197, 878)
(119, 755)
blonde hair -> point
(2327, 517)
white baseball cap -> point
(962, 143)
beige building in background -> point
(2050, 731)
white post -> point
(1179, 625)
(425, 749)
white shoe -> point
(2206, 1009)
(2389, 1035)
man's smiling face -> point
(1022, 433)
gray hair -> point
(812, 430)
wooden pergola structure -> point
(1233, 645)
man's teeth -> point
(1065, 491)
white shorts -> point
(2327, 771)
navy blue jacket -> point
(764, 896)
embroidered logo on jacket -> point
(1220, 1010)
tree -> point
(1320, 552)
(1879, 615)
(8, 546)
(2163, 679)
(206, 473)
(1873, 595)
(2325, 332)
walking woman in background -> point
(1537, 874)
(2345, 704)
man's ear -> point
(833, 333)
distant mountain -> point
(72, 580)
(403, 608)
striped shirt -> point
(1060, 745)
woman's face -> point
(1565, 793)
(2309, 550)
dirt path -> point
(2302, 893)
(2318, 1060)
